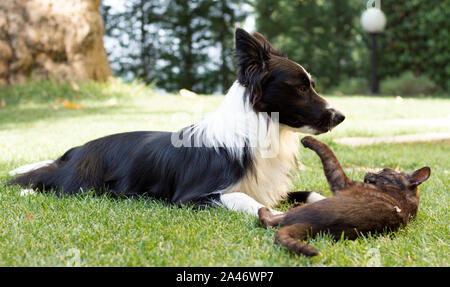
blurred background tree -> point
(417, 39)
(135, 29)
(224, 16)
(189, 44)
(324, 36)
(177, 43)
(186, 39)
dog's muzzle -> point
(336, 117)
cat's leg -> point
(267, 218)
(337, 179)
(290, 237)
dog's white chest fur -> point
(268, 181)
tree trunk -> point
(223, 49)
(143, 22)
(188, 56)
(51, 39)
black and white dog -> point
(240, 157)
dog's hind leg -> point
(30, 167)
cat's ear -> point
(417, 177)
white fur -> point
(30, 167)
(27, 191)
(273, 147)
(313, 197)
(268, 182)
(234, 124)
(304, 130)
(238, 201)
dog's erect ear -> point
(266, 44)
(417, 177)
(252, 57)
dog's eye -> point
(303, 89)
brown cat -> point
(387, 199)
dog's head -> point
(277, 84)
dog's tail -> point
(291, 236)
(41, 175)
(34, 176)
(30, 167)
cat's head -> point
(407, 182)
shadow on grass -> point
(48, 91)
(11, 116)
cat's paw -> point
(308, 141)
(264, 213)
(296, 204)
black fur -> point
(277, 84)
(141, 163)
(298, 196)
(146, 163)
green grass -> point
(88, 230)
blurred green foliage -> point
(417, 39)
(408, 84)
(326, 37)
(323, 36)
(189, 44)
(174, 43)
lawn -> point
(88, 230)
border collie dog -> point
(240, 157)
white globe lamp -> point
(373, 21)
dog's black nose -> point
(336, 117)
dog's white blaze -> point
(30, 167)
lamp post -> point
(373, 21)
